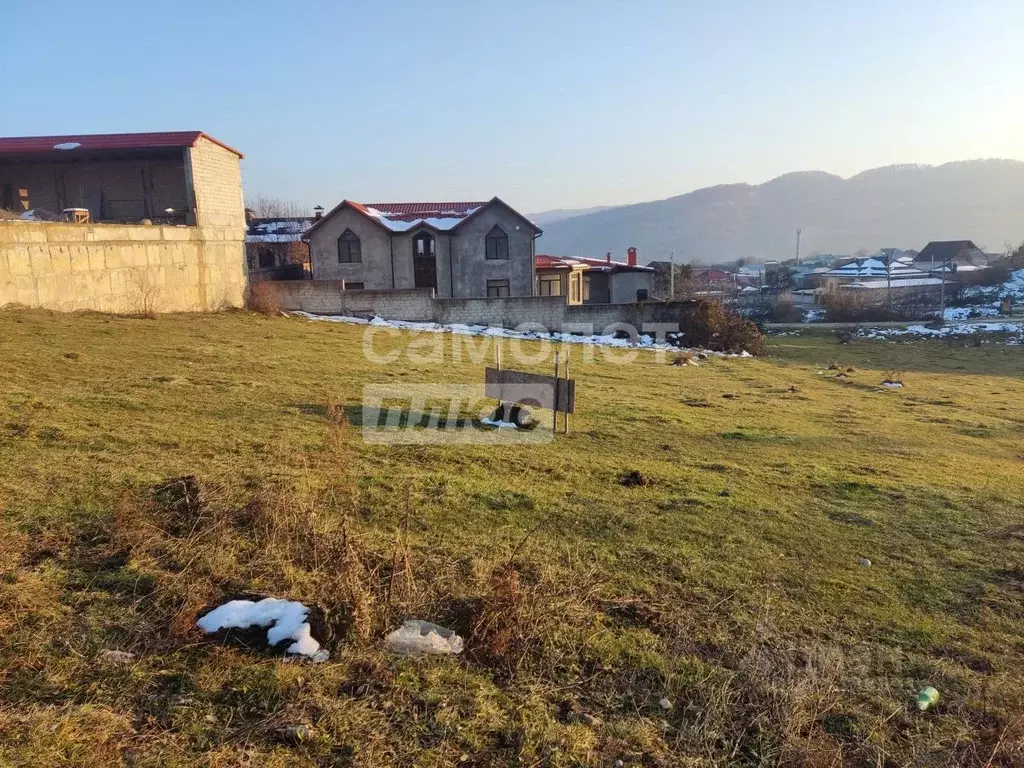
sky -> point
(546, 104)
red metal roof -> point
(19, 145)
(417, 211)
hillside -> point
(903, 206)
(732, 584)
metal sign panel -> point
(534, 389)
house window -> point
(550, 285)
(586, 288)
(497, 289)
(353, 286)
(266, 258)
(641, 294)
(497, 243)
(349, 248)
(250, 259)
(574, 288)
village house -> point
(274, 248)
(182, 177)
(951, 256)
(132, 222)
(595, 281)
(460, 250)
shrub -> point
(784, 310)
(710, 325)
(262, 297)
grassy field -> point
(732, 583)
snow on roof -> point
(70, 145)
(401, 217)
(902, 267)
(288, 230)
(903, 283)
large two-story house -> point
(461, 250)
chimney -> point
(318, 212)
(250, 214)
(608, 257)
(631, 256)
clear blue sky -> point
(545, 104)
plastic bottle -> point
(928, 697)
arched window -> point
(497, 243)
(349, 249)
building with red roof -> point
(181, 177)
(458, 249)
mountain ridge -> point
(903, 205)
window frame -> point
(346, 241)
(496, 242)
(498, 284)
(549, 279)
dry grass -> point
(262, 297)
(150, 470)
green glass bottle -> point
(928, 697)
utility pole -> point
(672, 276)
(798, 233)
(888, 279)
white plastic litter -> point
(416, 636)
(286, 619)
(499, 424)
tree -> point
(779, 278)
(264, 207)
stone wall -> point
(124, 269)
(326, 297)
(216, 180)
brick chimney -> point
(250, 214)
(631, 256)
(318, 212)
(608, 257)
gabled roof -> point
(403, 217)
(97, 142)
(959, 251)
(543, 261)
(902, 267)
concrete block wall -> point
(123, 269)
(216, 175)
(417, 305)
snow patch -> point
(499, 424)
(286, 619)
(643, 341)
(67, 145)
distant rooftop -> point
(103, 142)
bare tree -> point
(265, 207)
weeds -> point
(262, 297)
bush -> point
(262, 297)
(784, 310)
(710, 325)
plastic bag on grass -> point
(422, 637)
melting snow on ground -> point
(1015, 331)
(286, 619)
(643, 341)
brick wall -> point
(216, 178)
(326, 297)
(113, 268)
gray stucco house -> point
(462, 250)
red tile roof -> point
(543, 261)
(418, 211)
(18, 145)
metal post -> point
(554, 413)
(567, 355)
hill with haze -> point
(901, 206)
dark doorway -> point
(424, 261)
